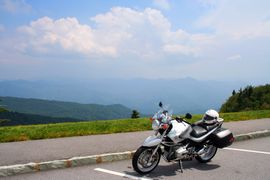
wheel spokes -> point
(143, 160)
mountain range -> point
(183, 95)
(65, 110)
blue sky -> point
(81, 39)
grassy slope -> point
(31, 132)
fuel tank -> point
(179, 131)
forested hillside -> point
(249, 98)
(65, 109)
(8, 118)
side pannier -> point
(222, 138)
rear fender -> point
(152, 141)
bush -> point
(135, 114)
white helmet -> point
(210, 116)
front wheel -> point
(140, 160)
(209, 153)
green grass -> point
(245, 115)
(32, 132)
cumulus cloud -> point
(125, 42)
(15, 6)
(121, 31)
(46, 34)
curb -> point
(252, 135)
(94, 159)
(65, 163)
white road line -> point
(120, 174)
(246, 150)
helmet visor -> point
(208, 118)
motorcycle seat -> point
(210, 127)
(198, 131)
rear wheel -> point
(209, 152)
(140, 160)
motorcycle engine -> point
(181, 152)
(184, 153)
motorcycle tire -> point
(207, 156)
(142, 156)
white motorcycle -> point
(176, 140)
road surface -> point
(64, 148)
(243, 160)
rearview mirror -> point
(188, 116)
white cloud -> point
(45, 35)
(162, 4)
(15, 6)
(121, 31)
(179, 49)
(124, 42)
(239, 19)
(235, 57)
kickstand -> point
(181, 165)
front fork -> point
(158, 146)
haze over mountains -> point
(183, 95)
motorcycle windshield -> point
(164, 114)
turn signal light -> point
(165, 126)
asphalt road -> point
(245, 160)
(63, 148)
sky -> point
(80, 39)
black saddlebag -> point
(222, 138)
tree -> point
(135, 114)
(249, 98)
(250, 90)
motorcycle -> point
(177, 140)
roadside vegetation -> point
(45, 131)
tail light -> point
(231, 139)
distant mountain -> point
(65, 109)
(183, 95)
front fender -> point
(152, 141)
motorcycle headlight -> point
(155, 124)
